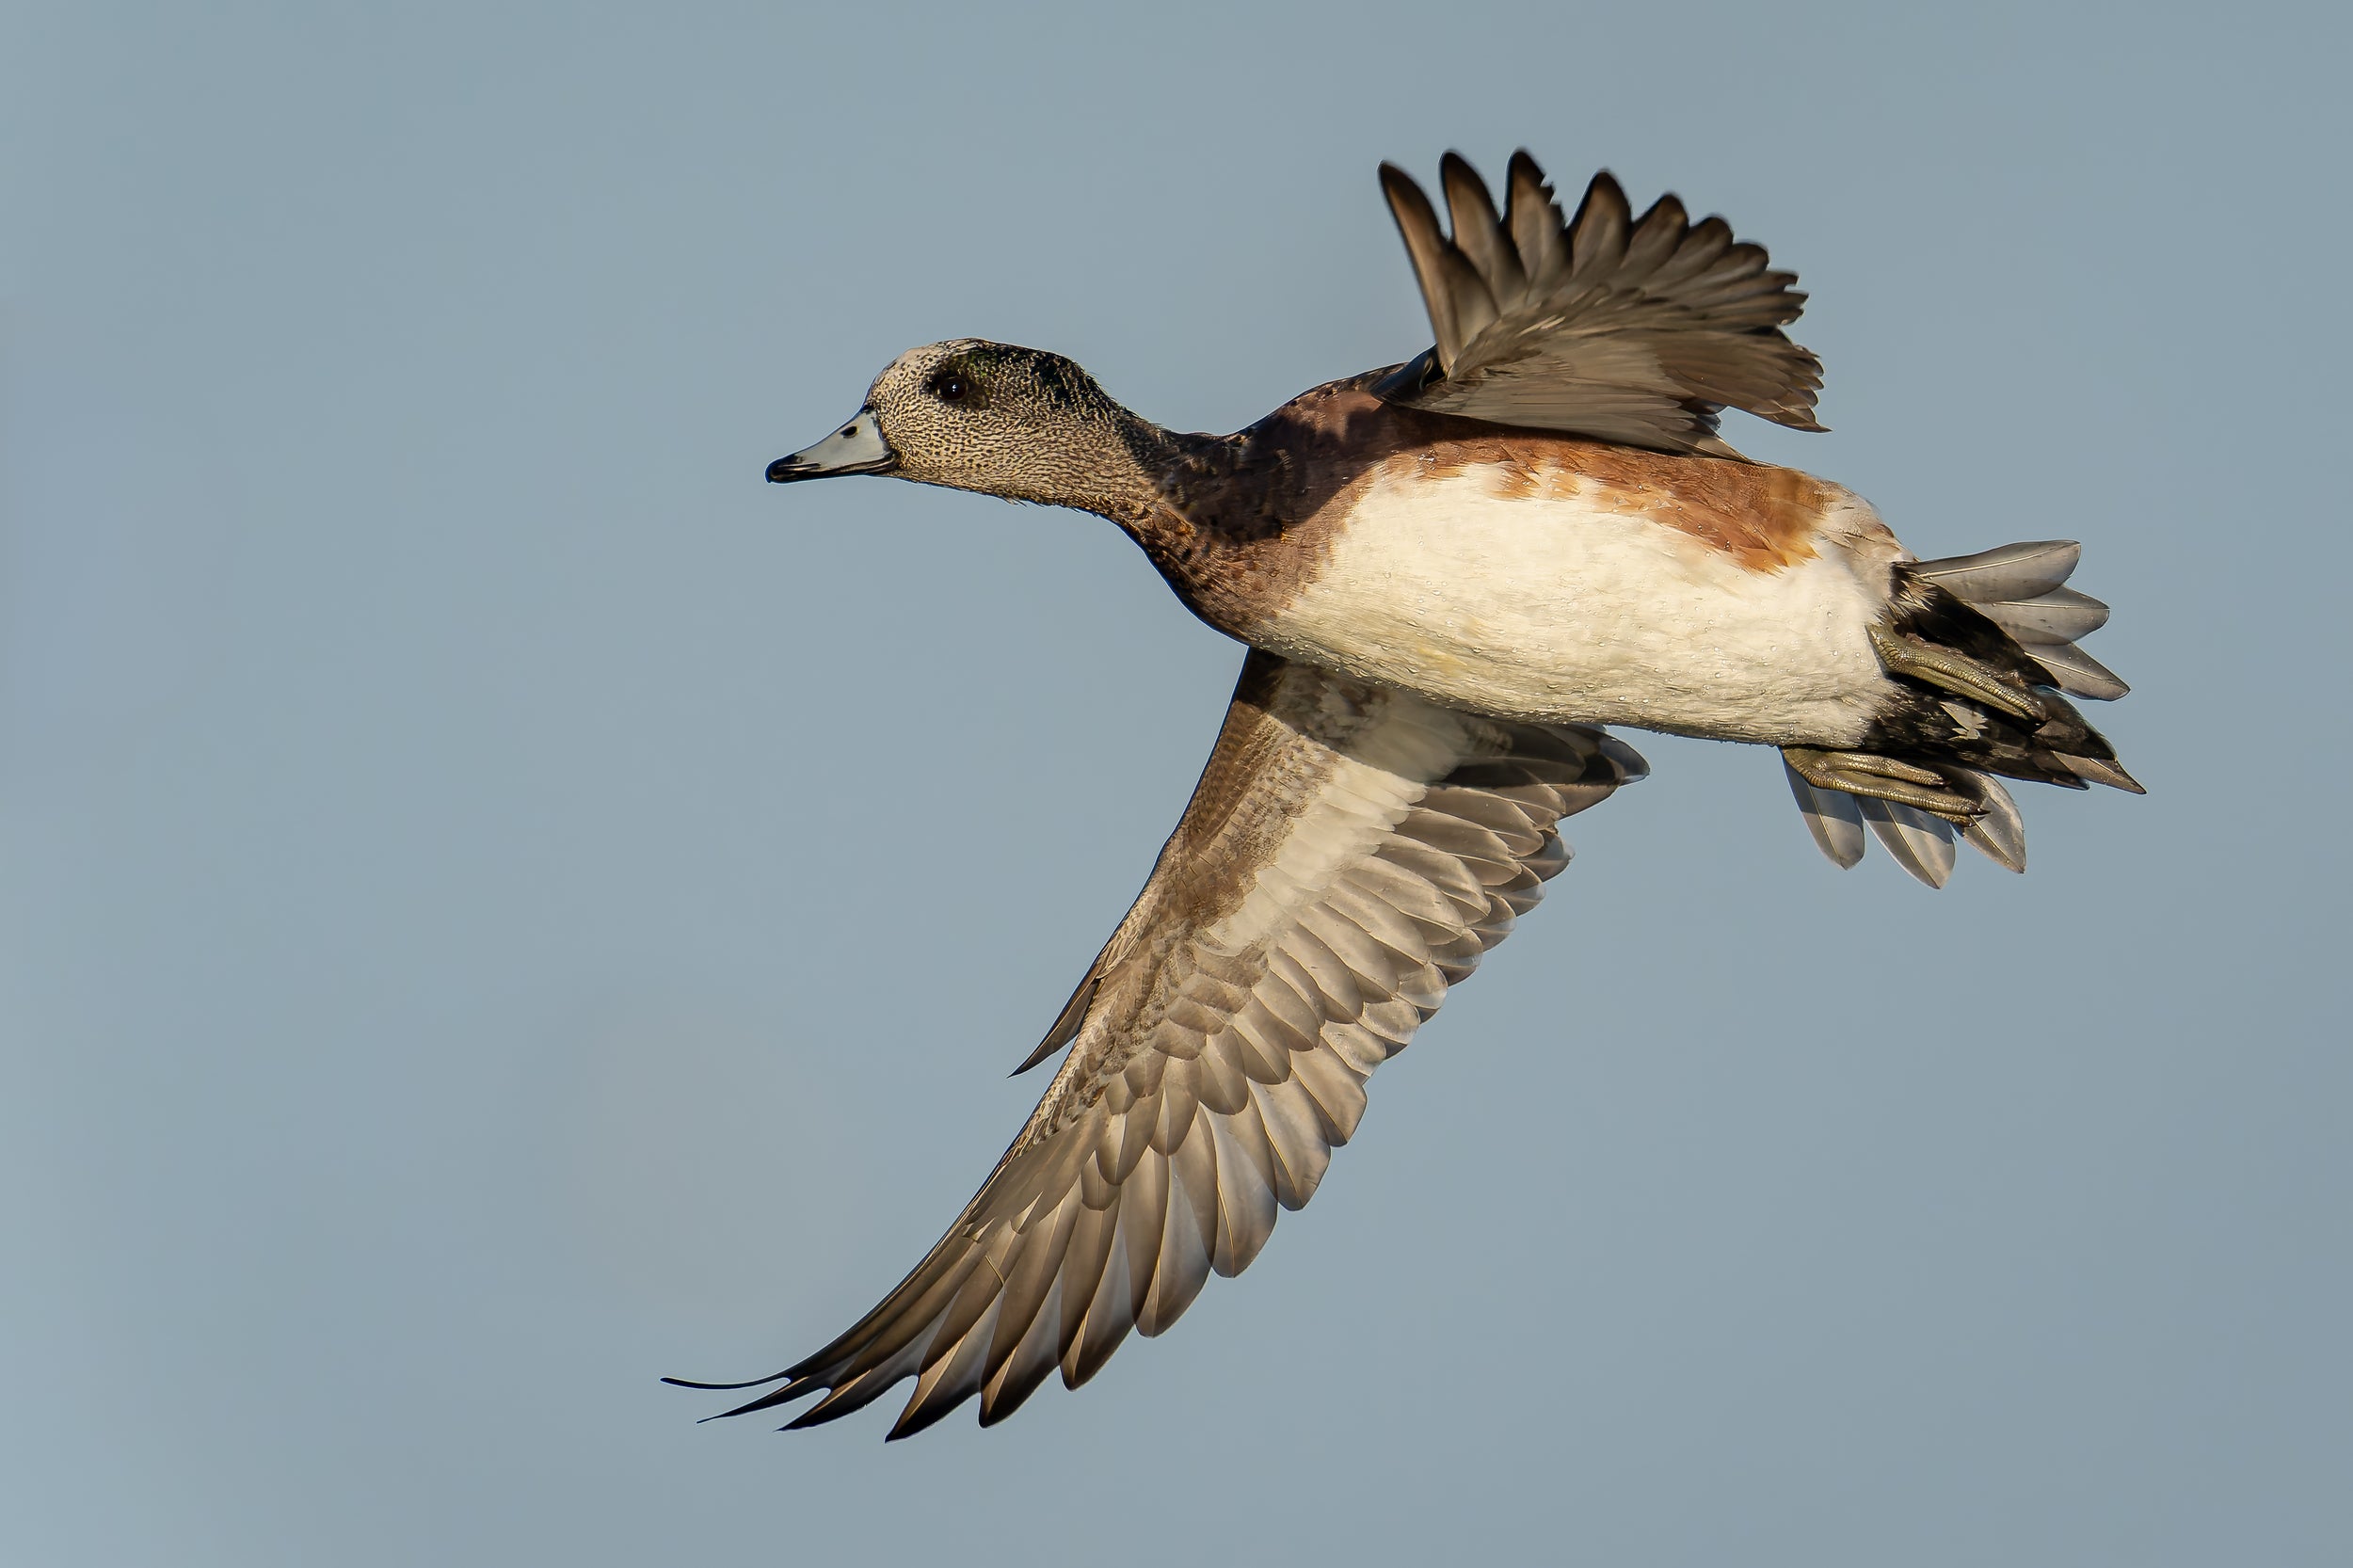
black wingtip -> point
(1035, 1057)
(726, 1387)
(918, 1416)
(815, 1416)
(761, 1404)
(1603, 189)
(1404, 194)
(1066, 1023)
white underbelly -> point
(1551, 609)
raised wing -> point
(1348, 853)
(1634, 331)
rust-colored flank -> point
(1763, 516)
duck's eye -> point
(952, 389)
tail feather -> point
(2073, 671)
(1832, 816)
(2018, 587)
(2009, 572)
(2036, 620)
(1920, 843)
(2000, 832)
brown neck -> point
(1162, 488)
(1131, 484)
(1194, 518)
(1236, 522)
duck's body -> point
(1447, 572)
(1540, 591)
(1532, 576)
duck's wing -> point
(1635, 330)
(1348, 853)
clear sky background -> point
(497, 904)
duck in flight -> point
(1449, 574)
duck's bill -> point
(858, 447)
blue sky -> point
(497, 904)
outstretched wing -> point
(1348, 853)
(1635, 330)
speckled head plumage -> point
(974, 415)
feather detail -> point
(1349, 850)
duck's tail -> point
(2020, 588)
(1983, 645)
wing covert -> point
(1349, 852)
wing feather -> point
(1245, 1190)
(1639, 331)
(1348, 852)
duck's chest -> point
(1563, 598)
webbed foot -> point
(1954, 673)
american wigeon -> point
(1448, 573)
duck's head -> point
(974, 415)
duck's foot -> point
(1963, 676)
(1876, 778)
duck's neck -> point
(1236, 522)
(1232, 523)
(1130, 470)
(1167, 496)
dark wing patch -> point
(1635, 330)
(1349, 852)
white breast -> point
(1560, 607)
